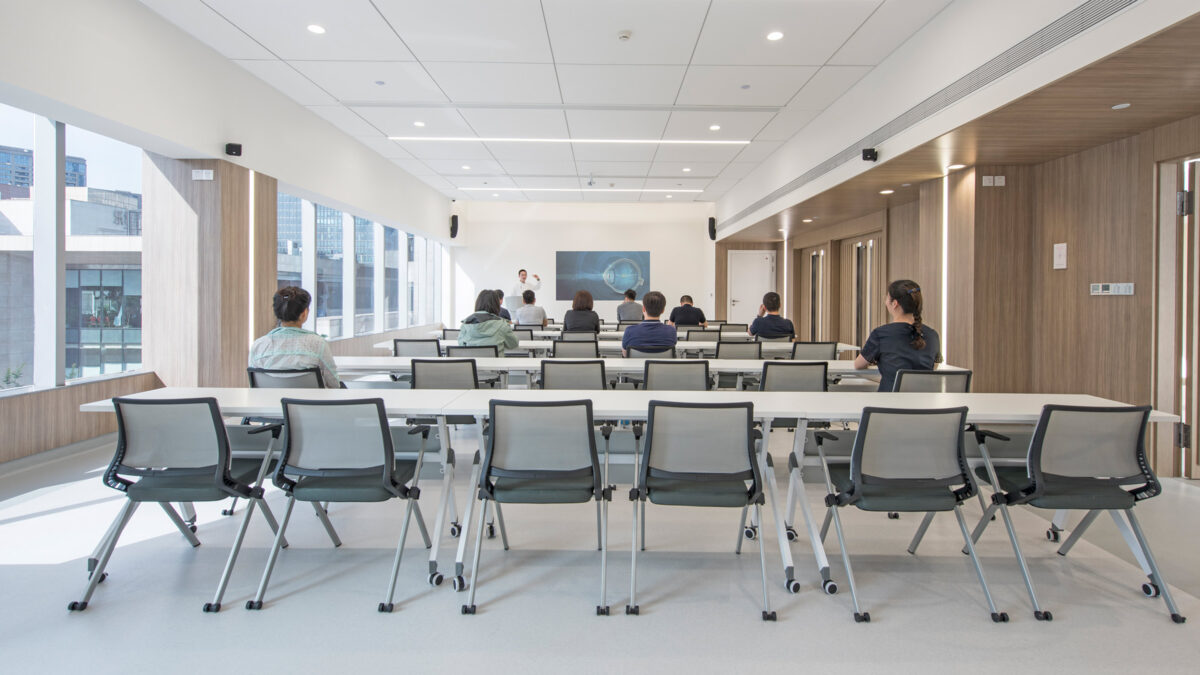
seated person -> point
(687, 315)
(503, 313)
(485, 326)
(629, 310)
(905, 343)
(529, 314)
(581, 316)
(769, 324)
(290, 347)
(651, 335)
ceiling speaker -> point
(233, 149)
(712, 229)
(870, 155)
(453, 226)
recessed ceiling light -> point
(807, 220)
(956, 167)
(783, 230)
(380, 82)
(905, 184)
(669, 196)
(1121, 106)
(314, 28)
(418, 123)
(495, 194)
(466, 167)
(774, 35)
(687, 169)
(886, 192)
(715, 127)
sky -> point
(111, 165)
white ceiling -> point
(556, 69)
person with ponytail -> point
(289, 346)
(906, 342)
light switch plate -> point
(999, 181)
(1060, 256)
(202, 174)
(989, 181)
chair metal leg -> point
(998, 617)
(462, 536)
(232, 508)
(322, 515)
(920, 533)
(270, 516)
(1038, 612)
(94, 559)
(387, 605)
(1156, 577)
(1077, 533)
(643, 532)
(859, 615)
(215, 605)
(118, 526)
(469, 608)
(632, 607)
(825, 523)
(737, 548)
(184, 528)
(446, 503)
(599, 527)
(767, 614)
(189, 512)
(602, 608)
(503, 530)
(256, 603)
(1130, 541)
(982, 525)
(421, 525)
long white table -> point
(769, 349)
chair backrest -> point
(575, 349)
(682, 331)
(703, 335)
(739, 350)
(733, 327)
(628, 323)
(526, 326)
(450, 333)
(782, 338)
(910, 447)
(335, 438)
(550, 321)
(540, 440)
(415, 347)
(473, 351)
(169, 436)
(941, 381)
(635, 353)
(701, 441)
(573, 374)
(814, 351)
(444, 374)
(579, 335)
(678, 375)
(523, 333)
(297, 378)
(794, 376)
(1105, 444)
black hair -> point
(528, 297)
(908, 294)
(519, 271)
(654, 303)
(500, 293)
(686, 298)
(290, 302)
(487, 301)
(631, 294)
(771, 301)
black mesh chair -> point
(678, 375)
(416, 347)
(491, 379)
(575, 349)
(933, 381)
(814, 351)
(731, 349)
(450, 333)
(285, 378)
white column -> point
(349, 258)
(403, 290)
(308, 257)
(49, 253)
(380, 258)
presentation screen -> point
(604, 274)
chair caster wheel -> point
(491, 531)
(386, 607)
(864, 617)
(791, 534)
(455, 529)
(459, 583)
(999, 617)
(829, 586)
(435, 579)
(892, 515)
(750, 532)
(635, 609)
(102, 577)
(212, 608)
(1150, 590)
(468, 609)
(768, 616)
(1043, 616)
(227, 512)
(254, 604)
(80, 606)
(1052, 534)
(192, 528)
(792, 586)
(601, 610)
(1177, 618)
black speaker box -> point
(233, 149)
(712, 229)
(453, 226)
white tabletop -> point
(246, 402)
(613, 346)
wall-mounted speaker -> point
(870, 155)
(233, 149)
(453, 226)
(712, 229)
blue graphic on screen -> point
(604, 274)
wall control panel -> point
(1107, 288)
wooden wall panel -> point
(904, 243)
(958, 337)
(47, 419)
(929, 238)
(225, 282)
(266, 260)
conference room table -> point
(609, 334)
(613, 347)
(1022, 409)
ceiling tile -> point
(681, 183)
(668, 198)
(758, 151)
(573, 196)
(607, 152)
(523, 83)
(786, 123)
(662, 32)
(512, 31)
(620, 85)
(398, 120)
(698, 169)
(717, 188)
(345, 120)
(437, 182)
(385, 147)
(355, 81)
(888, 28)
(611, 196)
(547, 182)
(481, 181)
(354, 29)
(446, 149)
(629, 124)
(737, 170)
(697, 153)
(291, 83)
(827, 86)
(520, 167)
(532, 152)
(613, 183)
(735, 126)
(414, 166)
(209, 27)
(613, 168)
(516, 123)
(722, 85)
(735, 32)
(454, 167)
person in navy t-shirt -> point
(651, 335)
(769, 324)
(906, 342)
(686, 314)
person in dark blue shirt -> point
(685, 314)
(769, 324)
(651, 335)
(503, 312)
(906, 342)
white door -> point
(751, 275)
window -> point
(364, 276)
(288, 238)
(329, 272)
(16, 247)
(391, 277)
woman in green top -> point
(290, 347)
(485, 326)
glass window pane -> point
(89, 278)
(391, 277)
(16, 255)
(133, 282)
(329, 271)
(111, 278)
(290, 220)
(364, 276)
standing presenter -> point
(521, 286)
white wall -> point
(117, 68)
(497, 239)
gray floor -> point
(700, 603)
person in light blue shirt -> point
(290, 347)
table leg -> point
(797, 494)
(444, 503)
(785, 552)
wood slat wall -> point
(266, 260)
(958, 337)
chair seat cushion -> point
(731, 493)
(1062, 495)
(893, 497)
(350, 488)
(543, 490)
(176, 489)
